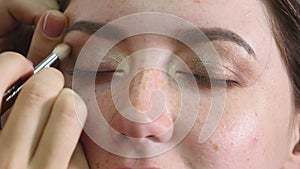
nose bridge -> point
(143, 85)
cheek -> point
(254, 130)
(105, 101)
(237, 142)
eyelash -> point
(205, 80)
(202, 80)
(86, 73)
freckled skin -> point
(148, 81)
(254, 132)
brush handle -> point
(11, 94)
(51, 61)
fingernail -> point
(81, 109)
(53, 25)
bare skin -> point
(256, 130)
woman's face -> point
(255, 130)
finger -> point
(28, 12)
(30, 113)
(13, 66)
(78, 160)
(62, 132)
(47, 35)
(23, 68)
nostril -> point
(160, 130)
(153, 138)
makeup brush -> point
(59, 53)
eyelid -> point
(236, 64)
(204, 79)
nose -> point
(141, 88)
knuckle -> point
(16, 58)
(35, 92)
(7, 165)
(11, 54)
(52, 73)
(11, 162)
(50, 77)
(43, 86)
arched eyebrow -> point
(84, 26)
(213, 34)
(219, 34)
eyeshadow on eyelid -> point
(112, 61)
(233, 56)
(231, 51)
(237, 61)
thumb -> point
(78, 160)
(48, 33)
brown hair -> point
(285, 23)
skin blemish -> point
(216, 147)
(98, 165)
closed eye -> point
(207, 82)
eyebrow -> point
(213, 34)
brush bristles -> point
(62, 51)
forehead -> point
(241, 16)
(196, 11)
(245, 18)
